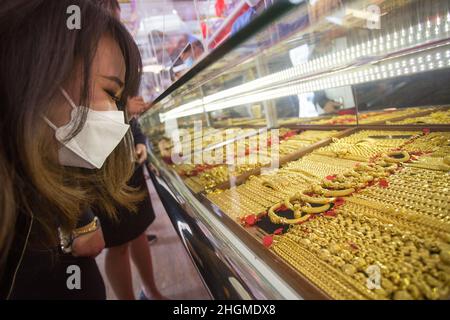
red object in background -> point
(250, 220)
(278, 231)
(339, 201)
(383, 183)
(226, 29)
(220, 7)
(331, 177)
(426, 131)
(288, 134)
(282, 208)
(347, 111)
(267, 241)
(330, 213)
(205, 29)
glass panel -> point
(292, 123)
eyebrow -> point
(115, 79)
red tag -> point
(383, 183)
(278, 231)
(250, 220)
(267, 241)
(339, 201)
(290, 134)
(282, 208)
(331, 177)
(330, 213)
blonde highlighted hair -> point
(38, 54)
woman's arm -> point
(139, 141)
(87, 239)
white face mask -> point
(101, 133)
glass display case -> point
(308, 155)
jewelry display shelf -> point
(253, 236)
(313, 126)
(414, 115)
(346, 130)
(238, 180)
(290, 157)
(196, 188)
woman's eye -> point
(113, 96)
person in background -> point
(62, 145)
(125, 236)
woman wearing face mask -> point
(64, 144)
(125, 237)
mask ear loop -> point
(51, 125)
(72, 104)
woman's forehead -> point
(108, 59)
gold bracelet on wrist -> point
(92, 226)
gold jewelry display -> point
(437, 117)
(392, 214)
(347, 245)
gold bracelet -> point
(92, 226)
(390, 157)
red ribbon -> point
(278, 231)
(339, 201)
(282, 208)
(383, 183)
(250, 220)
(267, 241)
(330, 213)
